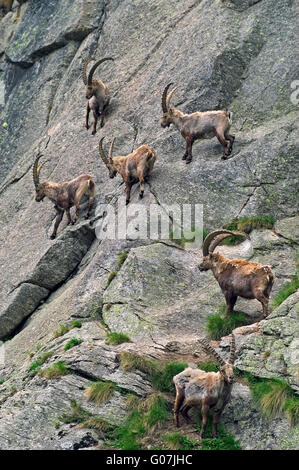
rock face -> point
(238, 54)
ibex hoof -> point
(141, 195)
(93, 132)
(127, 201)
(224, 157)
(184, 157)
(52, 237)
(188, 160)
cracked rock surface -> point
(238, 54)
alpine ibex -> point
(199, 125)
(97, 94)
(236, 277)
(137, 165)
(195, 387)
(63, 195)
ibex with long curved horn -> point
(63, 195)
(138, 165)
(195, 387)
(97, 94)
(199, 125)
(236, 277)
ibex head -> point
(90, 88)
(167, 111)
(39, 187)
(108, 161)
(226, 367)
(211, 241)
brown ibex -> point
(138, 165)
(236, 277)
(97, 94)
(198, 125)
(63, 195)
(195, 387)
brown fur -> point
(138, 165)
(199, 125)
(98, 96)
(195, 387)
(66, 195)
(240, 278)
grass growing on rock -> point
(287, 290)
(63, 329)
(40, 361)
(208, 366)
(114, 338)
(56, 370)
(145, 417)
(85, 419)
(218, 324)
(99, 391)
(176, 441)
(122, 258)
(247, 224)
(72, 342)
(161, 375)
(275, 396)
(224, 441)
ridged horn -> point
(83, 72)
(210, 350)
(164, 97)
(168, 98)
(102, 153)
(92, 70)
(214, 238)
(36, 169)
(232, 350)
(111, 150)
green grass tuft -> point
(40, 361)
(66, 328)
(122, 258)
(99, 391)
(218, 324)
(292, 410)
(176, 441)
(131, 361)
(146, 416)
(247, 224)
(195, 232)
(274, 401)
(56, 370)
(117, 338)
(72, 342)
(110, 277)
(77, 415)
(287, 290)
(208, 366)
(224, 441)
(163, 379)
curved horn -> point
(164, 96)
(219, 235)
(232, 350)
(169, 97)
(36, 170)
(210, 350)
(92, 70)
(83, 72)
(102, 153)
(111, 150)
